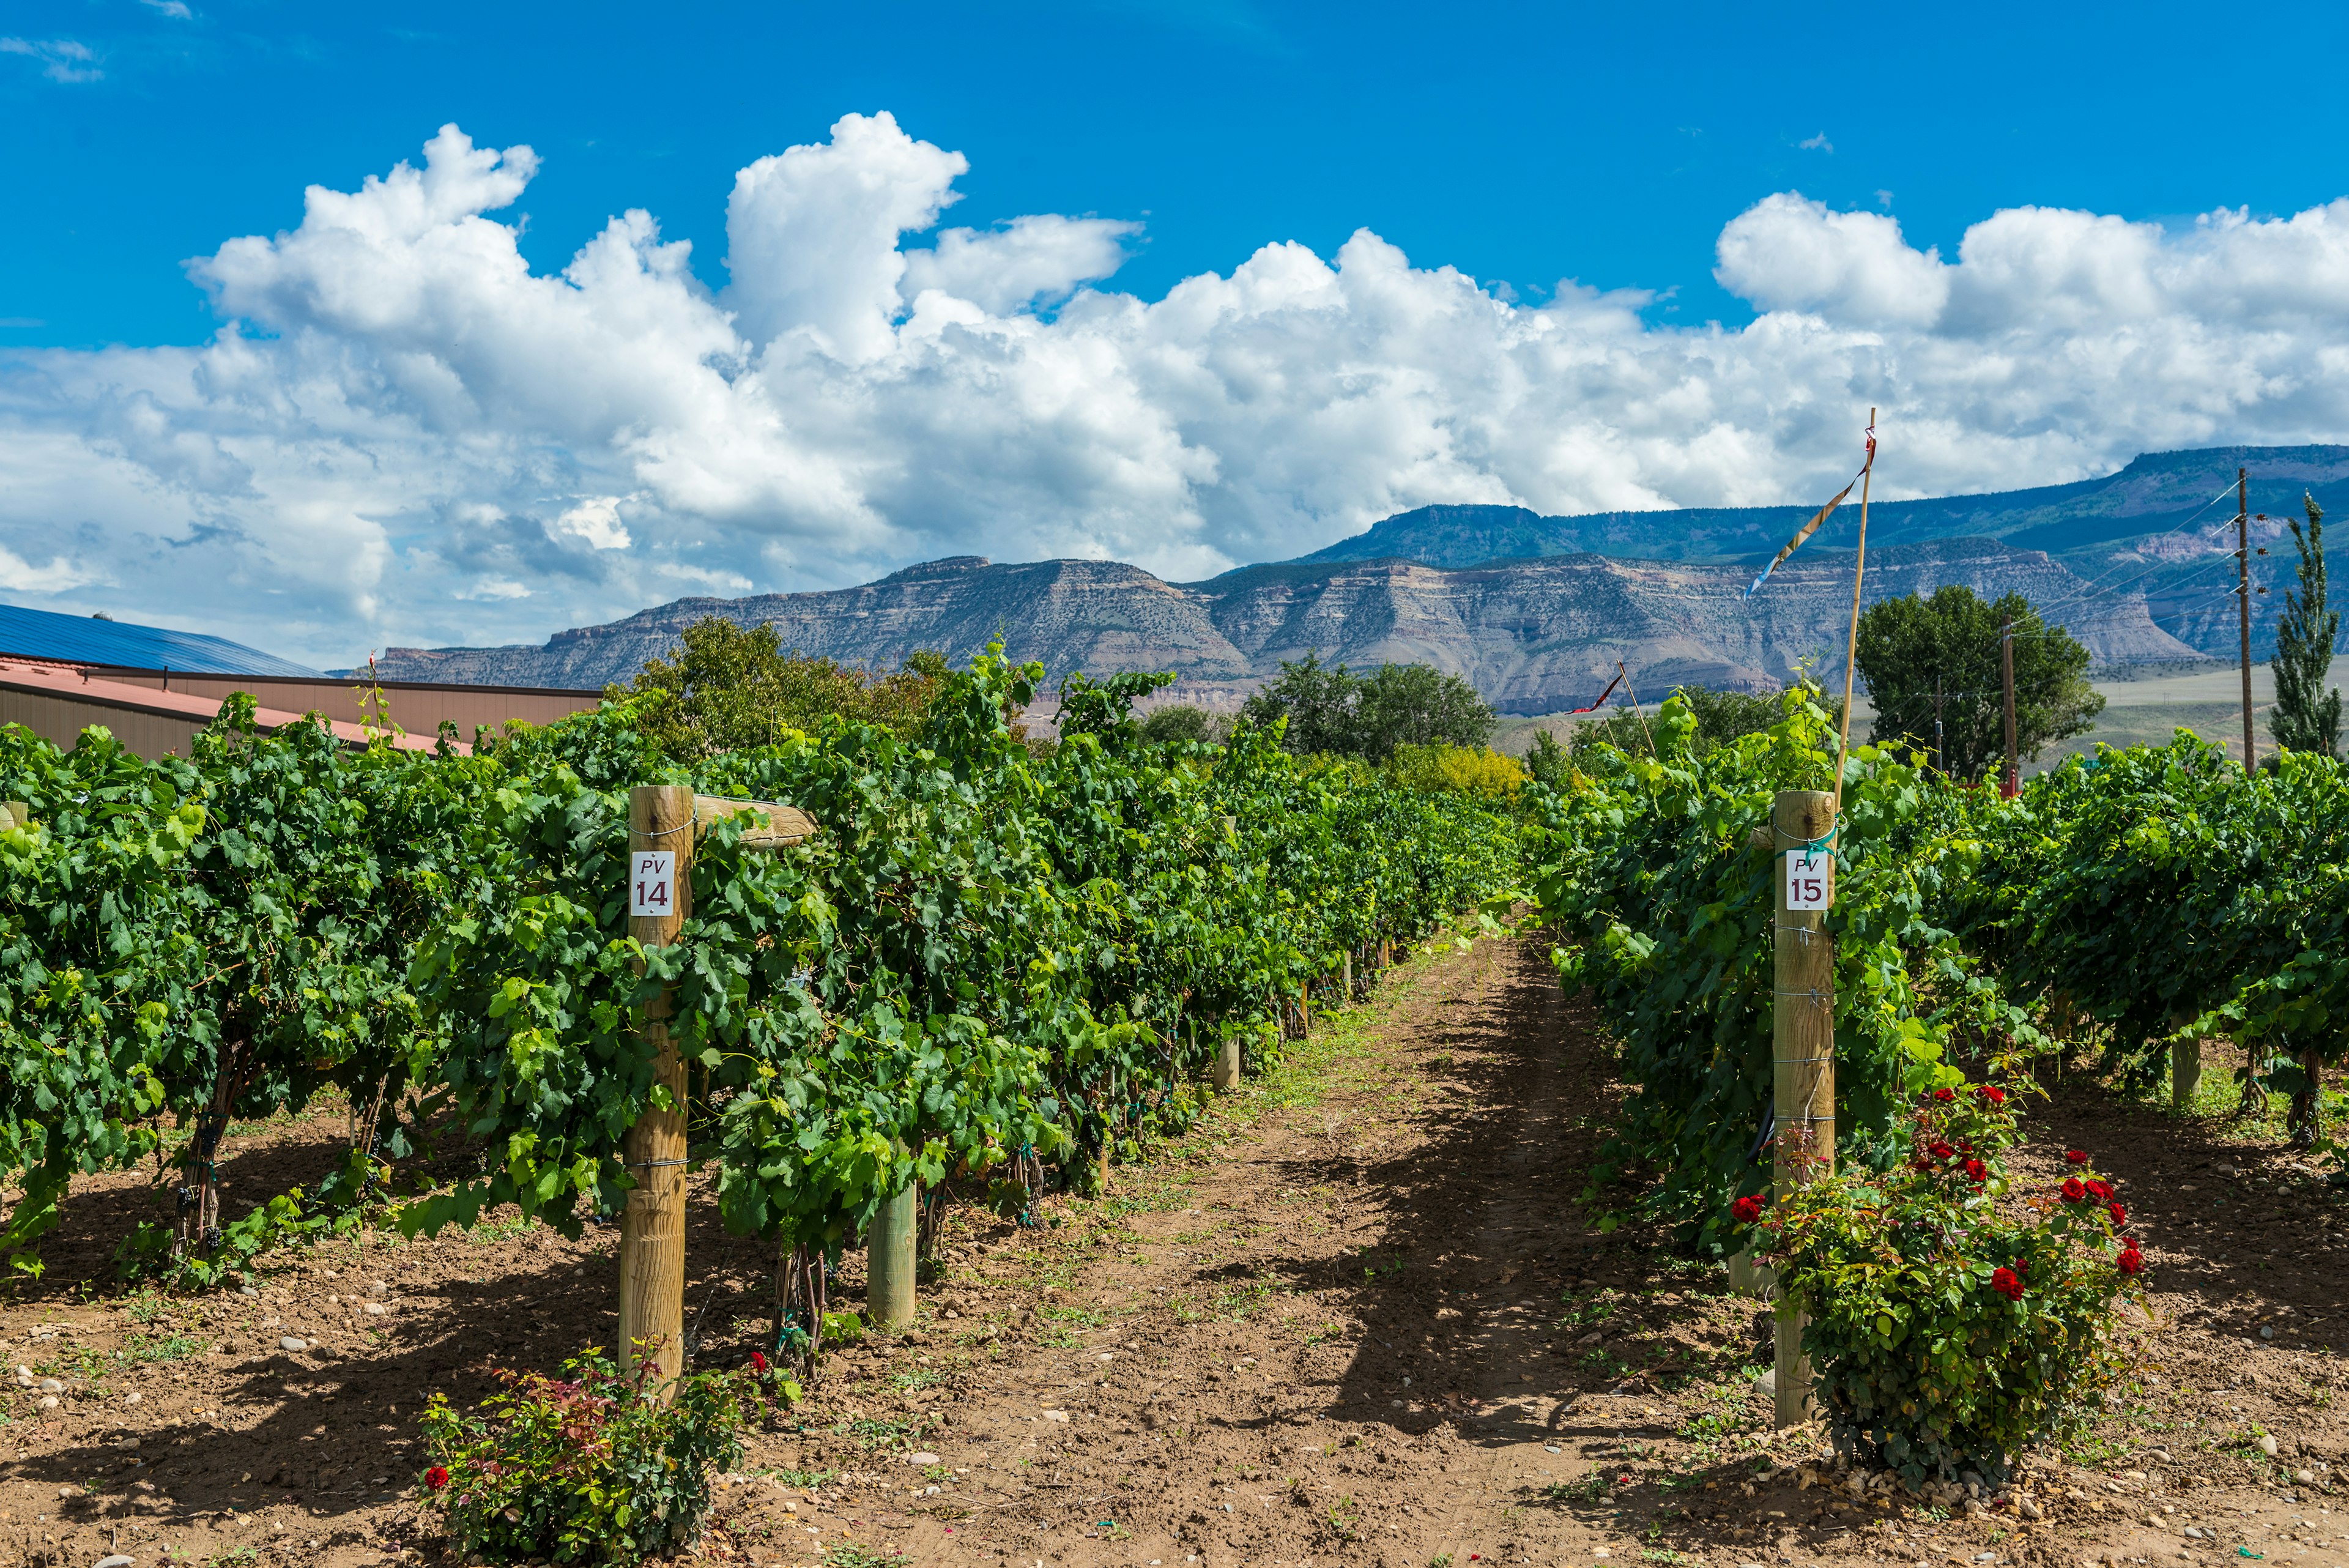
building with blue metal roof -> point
(85, 639)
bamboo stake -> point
(652, 1229)
(1634, 696)
(1852, 649)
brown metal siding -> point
(61, 720)
(414, 708)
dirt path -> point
(1356, 1318)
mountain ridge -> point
(2150, 492)
(1534, 626)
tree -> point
(1722, 716)
(2307, 718)
(1179, 722)
(1911, 648)
(1317, 700)
(1418, 705)
(731, 687)
(1330, 709)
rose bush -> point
(1953, 1319)
(589, 1469)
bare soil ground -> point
(1358, 1317)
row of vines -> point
(2132, 901)
(993, 963)
(2132, 904)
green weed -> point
(849, 1554)
(870, 1434)
(805, 1481)
(1588, 1489)
(1236, 1301)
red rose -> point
(1977, 1170)
(436, 1477)
(759, 1363)
(2102, 1191)
(1992, 1095)
(2131, 1261)
(2005, 1284)
(1747, 1209)
(1940, 1151)
(2074, 1192)
(1945, 1095)
(2120, 1214)
(2077, 1156)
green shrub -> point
(1953, 1321)
(1476, 771)
(589, 1469)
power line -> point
(2173, 528)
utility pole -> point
(2244, 604)
(2014, 785)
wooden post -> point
(1225, 1075)
(2244, 608)
(19, 815)
(1803, 1049)
(889, 1264)
(1109, 1134)
(2185, 1072)
(652, 1229)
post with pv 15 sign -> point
(1810, 878)
(652, 882)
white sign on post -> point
(1810, 878)
(651, 885)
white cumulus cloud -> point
(597, 522)
(61, 59)
(403, 434)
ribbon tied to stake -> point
(1811, 527)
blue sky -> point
(1520, 143)
(340, 328)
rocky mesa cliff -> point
(1535, 636)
